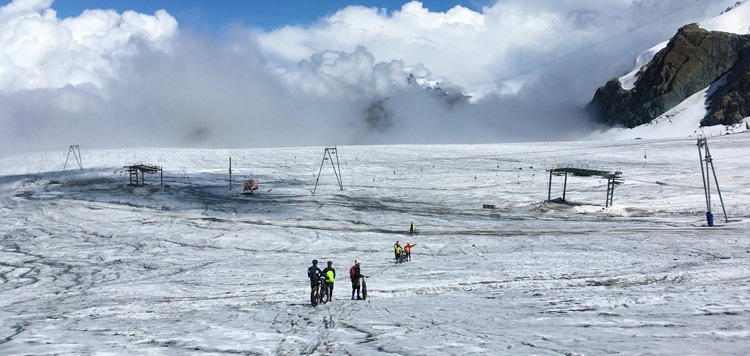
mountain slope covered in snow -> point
(711, 62)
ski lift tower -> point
(76, 151)
(705, 156)
(328, 155)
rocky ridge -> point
(692, 60)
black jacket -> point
(356, 275)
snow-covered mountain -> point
(685, 118)
(735, 19)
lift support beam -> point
(614, 179)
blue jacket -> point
(314, 273)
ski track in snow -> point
(91, 265)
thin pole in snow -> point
(549, 187)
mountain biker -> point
(396, 249)
(407, 248)
(330, 274)
(355, 275)
(411, 228)
(314, 273)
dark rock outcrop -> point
(730, 103)
(692, 60)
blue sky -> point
(214, 16)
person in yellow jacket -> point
(330, 275)
(397, 250)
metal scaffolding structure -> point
(614, 179)
(134, 170)
(76, 151)
(328, 155)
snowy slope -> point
(682, 121)
(90, 265)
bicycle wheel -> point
(314, 296)
(323, 293)
(364, 289)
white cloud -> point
(41, 51)
(512, 40)
(409, 35)
(103, 78)
(23, 8)
(350, 76)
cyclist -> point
(355, 275)
(407, 248)
(330, 274)
(411, 228)
(314, 273)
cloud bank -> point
(360, 76)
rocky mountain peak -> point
(692, 60)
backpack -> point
(352, 272)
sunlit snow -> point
(92, 265)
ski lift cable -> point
(576, 151)
(668, 185)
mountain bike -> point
(325, 291)
(319, 293)
(315, 295)
(401, 257)
(364, 288)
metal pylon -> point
(705, 156)
(328, 156)
(76, 153)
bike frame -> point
(320, 293)
(363, 286)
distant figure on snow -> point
(397, 250)
(411, 228)
(355, 275)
